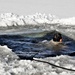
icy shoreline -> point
(11, 66)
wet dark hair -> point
(57, 36)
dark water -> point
(27, 45)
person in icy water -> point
(56, 43)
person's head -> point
(57, 37)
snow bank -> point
(28, 67)
(10, 19)
(67, 21)
(9, 65)
(6, 54)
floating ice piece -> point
(7, 54)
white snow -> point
(67, 21)
(6, 54)
(10, 19)
(28, 67)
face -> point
(60, 40)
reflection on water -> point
(29, 45)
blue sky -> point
(60, 8)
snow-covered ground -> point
(10, 19)
(9, 63)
